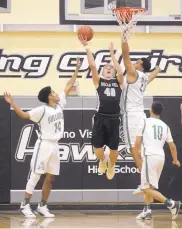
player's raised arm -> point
(154, 74)
(91, 61)
(131, 72)
(116, 65)
(71, 82)
(18, 111)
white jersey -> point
(155, 133)
(50, 120)
(133, 93)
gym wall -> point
(78, 181)
(32, 12)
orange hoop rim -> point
(129, 10)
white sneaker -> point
(138, 191)
(145, 215)
(110, 170)
(44, 211)
(175, 210)
(102, 166)
(27, 211)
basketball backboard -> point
(99, 11)
(5, 6)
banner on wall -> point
(36, 66)
(79, 164)
(31, 61)
(78, 173)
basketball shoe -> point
(44, 211)
(102, 166)
(110, 170)
(175, 209)
(146, 214)
(27, 211)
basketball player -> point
(134, 87)
(153, 133)
(107, 117)
(45, 158)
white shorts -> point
(131, 120)
(45, 158)
(152, 167)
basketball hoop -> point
(126, 20)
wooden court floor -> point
(90, 219)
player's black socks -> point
(169, 203)
(26, 201)
(147, 207)
(43, 203)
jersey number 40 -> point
(110, 92)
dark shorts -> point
(105, 131)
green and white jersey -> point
(50, 120)
(155, 133)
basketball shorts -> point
(105, 131)
(131, 121)
(152, 167)
(46, 158)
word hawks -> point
(68, 151)
(37, 65)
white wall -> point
(165, 7)
(32, 12)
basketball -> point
(86, 32)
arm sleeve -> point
(141, 128)
(63, 99)
(169, 136)
(36, 114)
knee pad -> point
(32, 182)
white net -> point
(112, 5)
(127, 22)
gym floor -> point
(90, 219)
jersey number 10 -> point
(158, 132)
(110, 92)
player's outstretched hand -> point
(158, 69)
(111, 48)
(8, 98)
(78, 63)
(83, 40)
(177, 163)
